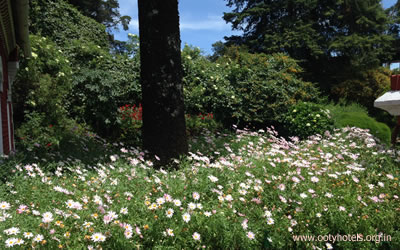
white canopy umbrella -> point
(390, 102)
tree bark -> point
(164, 128)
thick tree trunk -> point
(164, 128)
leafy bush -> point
(61, 22)
(206, 87)
(39, 96)
(130, 120)
(43, 82)
(267, 85)
(195, 125)
(354, 115)
(37, 138)
(305, 119)
(102, 82)
(364, 89)
(243, 88)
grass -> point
(248, 190)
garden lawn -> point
(250, 190)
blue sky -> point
(201, 21)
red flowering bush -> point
(130, 120)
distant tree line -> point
(333, 40)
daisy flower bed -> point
(252, 190)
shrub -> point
(36, 137)
(243, 88)
(195, 125)
(39, 96)
(43, 82)
(101, 81)
(305, 119)
(364, 89)
(61, 22)
(266, 85)
(130, 124)
(130, 120)
(206, 87)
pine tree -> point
(103, 11)
(331, 38)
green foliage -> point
(62, 23)
(366, 88)
(206, 87)
(102, 82)
(394, 29)
(39, 94)
(244, 88)
(354, 115)
(332, 39)
(37, 137)
(266, 85)
(103, 11)
(130, 121)
(196, 125)
(36, 134)
(305, 119)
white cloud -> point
(212, 23)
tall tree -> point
(394, 14)
(103, 11)
(327, 36)
(164, 128)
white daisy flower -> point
(186, 217)
(12, 231)
(38, 238)
(170, 212)
(267, 213)
(196, 196)
(124, 210)
(270, 221)
(177, 203)
(128, 234)
(208, 214)
(47, 217)
(250, 235)
(4, 205)
(11, 242)
(196, 236)
(192, 206)
(160, 201)
(98, 237)
(28, 235)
